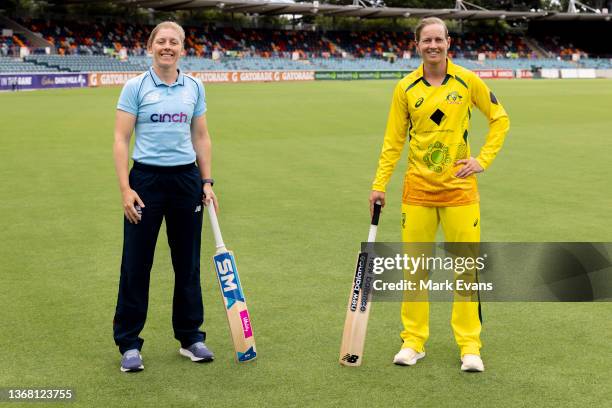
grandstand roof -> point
(266, 7)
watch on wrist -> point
(208, 181)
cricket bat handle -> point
(374, 223)
(215, 226)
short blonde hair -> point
(428, 21)
(166, 24)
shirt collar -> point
(180, 80)
(451, 69)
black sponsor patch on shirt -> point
(493, 98)
(437, 117)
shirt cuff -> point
(479, 160)
(127, 109)
(378, 187)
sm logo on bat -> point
(228, 278)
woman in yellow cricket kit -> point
(433, 107)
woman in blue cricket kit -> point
(166, 109)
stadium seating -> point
(86, 47)
(341, 64)
(9, 45)
(346, 64)
(101, 38)
(256, 42)
(249, 63)
(379, 44)
(97, 38)
(514, 63)
(53, 63)
(258, 63)
(372, 44)
(83, 63)
(494, 46)
(598, 63)
(556, 46)
(12, 65)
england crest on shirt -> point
(187, 97)
(152, 97)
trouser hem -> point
(469, 350)
(419, 348)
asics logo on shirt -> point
(169, 117)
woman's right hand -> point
(374, 197)
(132, 205)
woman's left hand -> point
(208, 195)
(470, 167)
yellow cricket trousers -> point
(460, 224)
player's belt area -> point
(163, 169)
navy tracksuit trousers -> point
(173, 193)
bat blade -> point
(359, 303)
(357, 314)
(235, 306)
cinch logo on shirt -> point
(169, 117)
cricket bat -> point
(233, 296)
(358, 309)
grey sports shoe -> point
(198, 352)
(131, 361)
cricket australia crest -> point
(454, 98)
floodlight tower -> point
(461, 5)
(571, 7)
(370, 3)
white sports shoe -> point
(472, 363)
(407, 357)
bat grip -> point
(214, 223)
(376, 213)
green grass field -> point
(293, 164)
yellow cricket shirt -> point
(437, 120)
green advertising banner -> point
(354, 75)
(325, 75)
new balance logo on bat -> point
(358, 281)
(350, 358)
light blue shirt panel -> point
(163, 117)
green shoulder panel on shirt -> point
(461, 81)
(410, 80)
(464, 76)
